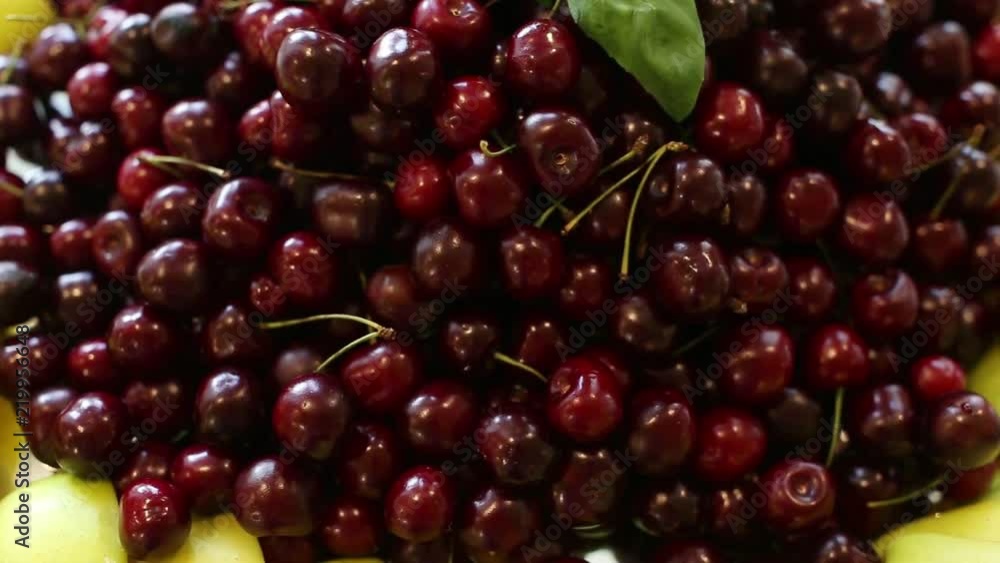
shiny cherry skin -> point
(469, 107)
(694, 279)
(382, 377)
(835, 357)
(17, 114)
(368, 19)
(721, 510)
(925, 135)
(800, 496)
(532, 262)
(199, 130)
(939, 245)
(90, 428)
(468, 341)
(293, 135)
(448, 256)
(812, 289)
(278, 26)
(231, 336)
(91, 90)
(730, 444)
(155, 518)
(687, 190)
(353, 213)
(495, 524)
(934, 377)
(874, 231)
(973, 484)
(877, 154)
(89, 366)
(761, 365)
(138, 179)
(807, 204)
(43, 356)
(585, 285)
(671, 509)
(573, 492)
(160, 409)
(637, 324)
(940, 58)
(516, 446)
(489, 190)
(70, 244)
(45, 408)
(171, 212)
(274, 498)
(293, 361)
(851, 29)
(241, 218)
(539, 341)
(306, 273)
(352, 527)
(881, 420)
(228, 407)
(404, 69)
(729, 121)
(460, 29)
(662, 430)
(47, 198)
(140, 338)
(255, 127)
(543, 60)
(19, 243)
(54, 55)
(561, 149)
(858, 484)
(963, 430)
(758, 276)
(186, 34)
(793, 418)
(311, 414)
(138, 113)
(747, 204)
(393, 295)
(423, 190)
(891, 94)
(385, 130)
(777, 70)
(150, 460)
(585, 401)
(840, 98)
(438, 416)
(317, 69)
(130, 46)
(369, 459)
(420, 505)
(235, 83)
(175, 275)
(20, 292)
(688, 551)
(884, 305)
(986, 54)
(205, 474)
(248, 26)
(605, 226)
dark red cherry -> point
(934, 377)
(353, 212)
(668, 509)
(963, 431)
(800, 496)
(45, 408)
(256, 129)
(89, 366)
(87, 152)
(973, 484)
(155, 518)
(228, 407)
(287, 549)
(48, 198)
(873, 230)
(861, 483)
(498, 525)
(130, 47)
(306, 273)
(317, 70)
(420, 505)
(269, 29)
(249, 24)
(91, 90)
(776, 69)
(141, 339)
(469, 340)
(561, 149)
(687, 190)
(884, 305)
(460, 29)
(423, 190)
(469, 107)
(369, 19)
(926, 137)
(42, 355)
(882, 421)
(172, 211)
(138, 113)
(851, 29)
(693, 281)
(293, 361)
(540, 341)
(636, 323)
(393, 296)
(532, 261)
(585, 401)
(292, 134)
(434, 551)
(811, 289)
(205, 474)
(159, 410)
(891, 94)
(352, 527)
(235, 83)
(404, 69)
(759, 366)
(835, 357)
(729, 122)
(724, 20)
(17, 114)
(758, 278)
(241, 218)
(939, 246)
(382, 377)
(199, 130)
(807, 204)
(138, 179)
(794, 418)
(19, 243)
(662, 431)
(231, 336)
(54, 55)
(89, 429)
(489, 190)
(722, 514)
(310, 415)
(940, 58)
(274, 498)
(838, 105)
(877, 154)
(586, 285)
(368, 460)
(730, 444)
(186, 34)
(543, 60)
(438, 416)
(175, 275)
(986, 54)
(19, 292)
(516, 446)
(150, 460)
(447, 256)
(574, 493)
(841, 548)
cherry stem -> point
(370, 337)
(505, 359)
(555, 8)
(556, 206)
(11, 189)
(597, 201)
(386, 332)
(691, 344)
(973, 141)
(185, 162)
(320, 174)
(484, 146)
(621, 160)
(910, 496)
(838, 415)
(673, 146)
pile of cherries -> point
(435, 280)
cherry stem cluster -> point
(673, 146)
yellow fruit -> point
(985, 379)
(217, 539)
(21, 20)
(937, 548)
(9, 456)
(70, 520)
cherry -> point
(963, 430)
(489, 190)
(199, 130)
(885, 305)
(353, 212)
(91, 90)
(151, 460)
(310, 414)
(730, 443)
(532, 262)
(986, 54)
(369, 459)
(724, 20)
(586, 285)
(973, 484)
(161, 410)
(16, 67)
(721, 514)
(420, 505)
(636, 323)
(498, 525)
(70, 244)
(758, 277)
(86, 152)
(693, 281)
(130, 47)
(840, 548)
(55, 55)
(306, 273)
(585, 401)
(574, 493)
(393, 295)
(469, 340)
(859, 484)
(270, 29)
(941, 57)
(11, 204)
(874, 231)
(368, 19)
(287, 549)
(17, 114)
(423, 190)
(174, 275)
(89, 429)
(729, 122)
(48, 199)
(662, 431)
(807, 204)
(317, 69)
(19, 243)
(776, 69)
(687, 189)
(460, 29)
(439, 416)
(404, 69)
(800, 496)
(516, 446)
(687, 551)
(89, 366)
(235, 83)
(839, 104)
(940, 245)
(382, 377)
(205, 474)
(851, 29)
(140, 338)
(41, 354)
(172, 211)
(925, 136)
(760, 365)
(45, 408)
(561, 149)
(668, 510)
(835, 357)
(241, 218)
(138, 114)
(469, 107)
(231, 336)
(877, 154)
(155, 518)
(19, 292)
(881, 421)
(447, 256)
(892, 94)
(294, 135)
(255, 129)
(227, 407)
(978, 102)
(249, 25)
(934, 377)
(351, 527)
(941, 308)
(186, 34)
(274, 498)
(543, 60)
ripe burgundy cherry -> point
(757, 279)
(369, 459)
(91, 90)
(760, 366)
(963, 430)
(382, 377)
(873, 230)
(543, 60)
(670, 509)
(438, 416)
(517, 447)
(353, 213)
(448, 256)
(730, 443)
(694, 279)
(533, 261)
(836, 356)
(420, 505)
(561, 150)
(489, 190)
(884, 305)
(498, 523)
(687, 189)
(270, 28)
(199, 130)
(729, 122)
(585, 400)
(423, 190)
(55, 54)
(306, 273)
(468, 108)
(807, 204)
(228, 407)
(352, 527)
(941, 58)
(155, 518)
(747, 204)
(186, 34)
(934, 377)
(882, 421)
(851, 29)
(662, 431)
(637, 324)
(311, 414)
(151, 460)
(840, 97)
(572, 491)
(317, 70)
(175, 275)
(138, 113)
(274, 498)
(460, 29)
(404, 69)
(801, 496)
(45, 408)
(205, 475)
(241, 218)
(89, 429)
(140, 339)
(89, 366)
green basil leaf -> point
(658, 41)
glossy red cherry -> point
(800, 496)
(54, 55)
(874, 231)
(138, 113)
(572, 491)
(489, 190)
(671, 509)
(835, 357)
(585, 400)
(729, 122)
(155, 519)
(369, 459)
(231, 336)
(205, 474)
(882, 421)
(45, 408)
(404, 69)
(89, 366)
(305, 271)
(884, 305)
(199, 130)
(694, 280)
(543, 60)
(382, 377)
(662, 431)
(317, 70)
(228, 407)
(940, 57)
(469, 107)
(807, 204)
(731, 443)
(89, 429)
(447, 256)
(963, 430)
(687, 190)
(141, 339)
(438, 416)
(274, 498)
(516, 446)
(186, 34)
(986, 53)
(161, 410)
(241, 218)
(532, 261)
(561, 149)
(270, 28)
(353, 213)
(420, 505)
(498, 524)
(352, 527)
(175, 276)
(91, 90)
(760, 365)
(758, 277)
(150, 460)
(851, 29)
(934, 377)
(460, 29)
(688, 551)
(311, 414)
(877, 154)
